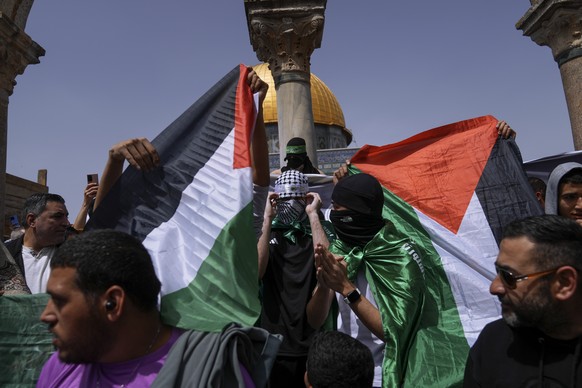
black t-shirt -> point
(522, 357)
(288, 283)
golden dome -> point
(326, 108)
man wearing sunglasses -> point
(539, 340)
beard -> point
(89, 343)
(535, 310)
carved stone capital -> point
(286, 37)
(556, 24)
(17, 50)
(16, 10)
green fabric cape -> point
(391, 264)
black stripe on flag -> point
(503, 189)
(139, 202)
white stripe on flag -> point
(217, 194)
(468, 258)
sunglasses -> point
(510, 280)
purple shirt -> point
(56, 373)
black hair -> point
(36, 204)
(104, 258)
(557, 239)
(336, 360)
(573, 176)
(538, 185)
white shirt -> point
(37, 267)
(350, 324)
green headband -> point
(300, 149)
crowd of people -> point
(328, 288)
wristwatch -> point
(352, 296)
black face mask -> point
(294, 162)
(353, 228)
(291, 210)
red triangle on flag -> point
(436, 171)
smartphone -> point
(93, 178)
(14, 221)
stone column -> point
(17, 51)
(284, 34)
(558, 24)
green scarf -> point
(301, 228)
(391, 264)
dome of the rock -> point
(328, 117)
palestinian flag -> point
(451, 189)
(194, 212)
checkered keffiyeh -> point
(291, 184)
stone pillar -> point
(558, 24)
(17, 51)
(284, 34)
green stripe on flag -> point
(438, 354)
(25, 342)
(226, 286)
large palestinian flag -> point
(451, 189)
(194, 212)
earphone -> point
(110, 305)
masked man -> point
(376, 274)
(297, 159)
(287, 270)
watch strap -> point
(353, 296)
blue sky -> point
(114, 70)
